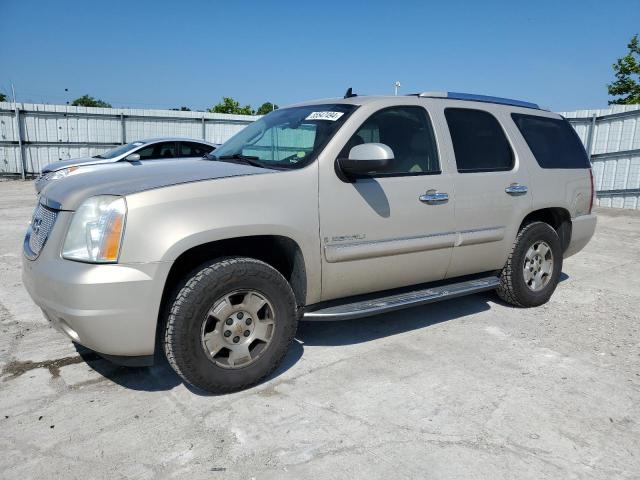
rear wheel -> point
(531, 273)
(230, 325)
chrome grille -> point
(41, 225)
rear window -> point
(478, 140)
(553, 142)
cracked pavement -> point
(468, 388)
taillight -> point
(593, 190)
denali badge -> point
(345, 238)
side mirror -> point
(366, 158)
(134, 157)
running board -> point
(375, 306)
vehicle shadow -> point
(349, 332)
(161, 377)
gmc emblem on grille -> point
(35, 225)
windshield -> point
(114, 152)
(286, 138)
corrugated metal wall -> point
(60, 132)
(612, 138)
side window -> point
(191, 149)
(168, 150)
(408, 132)
(158, 150)
(553, 142)
(478, 140)
(146, 153)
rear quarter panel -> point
(568, 188)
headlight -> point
(58, 174)
(96, 230)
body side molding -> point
(359, 250)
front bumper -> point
(582, 229)
(112, 309)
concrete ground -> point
(468, 388)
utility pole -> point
(18, 132)
(396, 87)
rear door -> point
(380, 231)
(158, 151)
(193, 149)
(491, 187)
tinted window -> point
(158, 150)
(191, 149)
(408, 132)
(552, 141)
(478, 140)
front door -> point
(387, 229)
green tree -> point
(266, 107)
(229, 105)
(89, 101)
(627, 72)
(3, 97)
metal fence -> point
(38, 134)
(33, 135)
(612, 139)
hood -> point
(59, 165)
(68, 193)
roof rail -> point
(477, 98)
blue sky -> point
(149, 54)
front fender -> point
(164, 223)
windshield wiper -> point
(246, 159)
(98, 156)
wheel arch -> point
(281, 252)
(557, 217)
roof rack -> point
(477, 98)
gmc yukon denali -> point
(327, 210)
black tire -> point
(182, 333)
(513, 289)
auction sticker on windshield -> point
(331, 116)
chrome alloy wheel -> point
(538, 266)
(238, 328)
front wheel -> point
(531, 273)
(230, 325)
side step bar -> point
(375, 306)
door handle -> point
(433, 197)
(516, 189)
